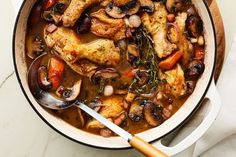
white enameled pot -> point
(205, 88)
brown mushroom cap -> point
(43, 81)
(153, 113)
(136, 112)
(114, 11)
(108, 73)
(75, 91)
(147, 6)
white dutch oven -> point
(205, 89)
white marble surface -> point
(22, 132)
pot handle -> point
(215, 105)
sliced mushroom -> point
(147, 6)
(44, 83)
(136, 111)
(132, 53)
(114, 11)
(61, 6)
(174, 6)
(108, 73)
(153, 113)
(95, 104)
(194, 25)
(50, 16)
(34, 46)
(133, 10)
(195, 69)
(72, 93)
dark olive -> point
(194, 25)
(84, 24)
(35, 14)
(43, 81)
(195, 69)
(190, 86)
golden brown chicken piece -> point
(183, 43)
(72, 51)
(112, 107)
(181, 20)
(156, 24)
(107, 27)
(74, 11)
(175, 81)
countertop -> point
(22, 132)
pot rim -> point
(110, 148)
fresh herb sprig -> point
(147, 60)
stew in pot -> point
(133, 61)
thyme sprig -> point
(147, 60)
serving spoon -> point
(47, 100)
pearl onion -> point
(108, 90)
(135, 21)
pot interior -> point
(113, 142)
